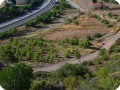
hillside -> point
(103, 73)
(63, 49)
(88, 4)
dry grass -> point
(87, 26)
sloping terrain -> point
(84, 4)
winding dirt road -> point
(109, 41)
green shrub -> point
(8, 33)
(97, 35)
(85, 43)
(103, 54)
(110, 14)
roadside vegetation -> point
(11, 11)
(9, 33)
(49, 16)
(46, 18)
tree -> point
(13, 1)
(36, 57)
(28, 55)
(5, 10)
(7, 55)
(67, 53)
(77, 55)
(11, 9)
(17, 77)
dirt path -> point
(109, 41)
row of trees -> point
(38, 49)
(31, 49)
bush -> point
(103, 54)
(77, 54)
(89, 63)
(85, 43)
(72, 41)
(97, 35)
(110, 26)
(110, 14)
(67, 53)
(72, 70)
(105, 21)
(8, 33)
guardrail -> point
(26, 18)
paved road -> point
(109, 41)
(47, 5)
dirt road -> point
(109, 41)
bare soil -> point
(87, 26)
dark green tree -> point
(94, 1)
(17, 77)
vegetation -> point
(18, 77)
(104, 21)
(8, 33)
(110, 14)
(99, 74)
(103, 54)
(94, 1)
(50, 15)
(110, 1)
(103, 73)
(30, 49)
(85, 43)
(40, 50)
(10, 11)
